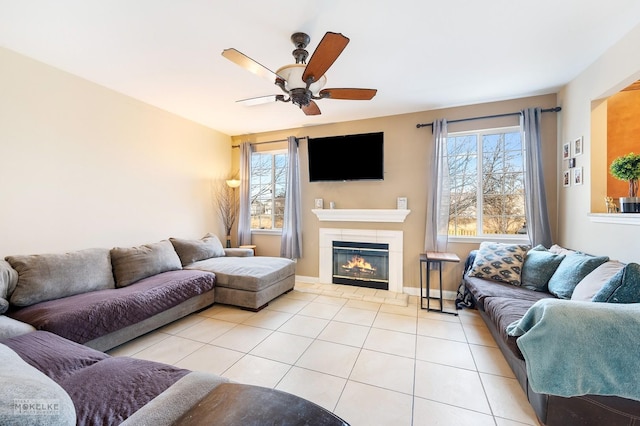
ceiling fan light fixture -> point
(292, 75)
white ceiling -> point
(420, 55)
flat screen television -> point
(346, 158)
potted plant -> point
(627, 167)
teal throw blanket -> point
(576, 348)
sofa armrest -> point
(167, 407)
(238, 252)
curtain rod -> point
(279, 140)
(555, 109)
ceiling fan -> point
(303, 83)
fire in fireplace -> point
(361, 264)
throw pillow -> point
(499, 262)
(623, 287)
(573, 268)
(135, 263)
(8, 282)
(592, 283)
(538, 268)
(29, 397)
(44, 277)
(190, 251)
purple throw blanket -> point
(87, 316)
(105, 390)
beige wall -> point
(616, 69)
(83, 166)
(406, 152)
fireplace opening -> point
(361, 264)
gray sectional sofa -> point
(102, 298)
(63, 309)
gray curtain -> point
(291, 244)
(244, 218)
(535, 197)
(439, 199)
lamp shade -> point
(292, 74)
(233, 183)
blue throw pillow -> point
(538, 268)
(573, 268)
(623, 287)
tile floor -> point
(372, 362)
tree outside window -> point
(268, 186)
(486, 171)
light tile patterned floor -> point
(372, 357)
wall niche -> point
(623, 132)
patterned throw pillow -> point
(499, 262)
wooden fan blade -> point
(249, 64)
(330, 47)
(258, 101)
(311, 109)
(351, 94)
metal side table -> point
(436, 258)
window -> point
(268, 185)
(486, 170)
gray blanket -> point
(87, 316)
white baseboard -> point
(411, 291)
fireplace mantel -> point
(361, 215)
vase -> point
(228, 241)
(629, 204)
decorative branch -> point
(226, 204)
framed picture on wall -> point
(578, 146)
(566, 151)
(566, 178)
(577, 176)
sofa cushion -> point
(85, 317)
(623, 287)
(190, 251)
(481, 289)
(135, 263)
(8, 282)
(503, 311)
(573, 268)
(499, 262)
(23, 383)
(538, 268)
(593, 282)
(54, 355)
(132, 383)
(252, 273)
(44, 277)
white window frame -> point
(511, 238)
(273, 152)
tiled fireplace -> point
(389, 274)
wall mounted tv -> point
(344, 158)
